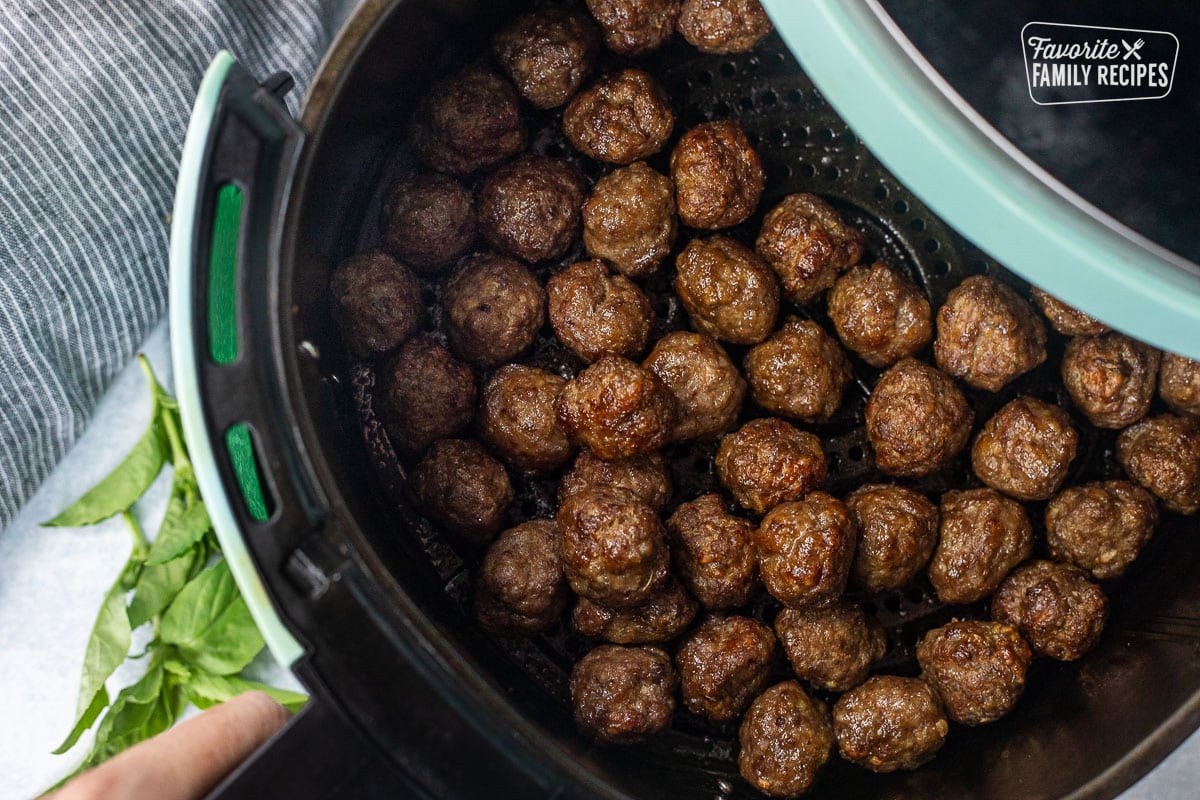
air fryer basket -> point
(1081, 730)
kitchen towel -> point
(95, 97)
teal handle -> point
(979, 183)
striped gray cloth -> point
(95, 97)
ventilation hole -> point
(915, 595)
(825, 135)
(941, 269)
(747, 103)
(932, 245)
(979, 265)
(869, 607)
(769, 98)
(856, 453)
(900, 207)
(753, 138)
(881, 192)
(833, 461)
(728, 69)
(247, 469)
(808, 170)
(891, 603)
(705, 77)
(722, 109)
(776, 58)
(917, 225)
(788, 171)
(683, 87)
(795, 97)
(800, 134)
(831, 173)
(778, 136)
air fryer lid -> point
(379, 600)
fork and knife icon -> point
(1132, 49)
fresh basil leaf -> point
(158, 585)
(121, 488)
(210, 624)
(136, 715)
(179, 534)
(85, 721)
(205, 689)
(130, 573)
(107, 647)
(178, 669)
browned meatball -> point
(890, 723)
(494, 309)
(1111, 378)
(623, 694)
(376, 303)
(621, 118)
(1024, 450)
(917, 420)
(897, 532)
(1065, 319)
(727, 290)
(799, 372)
(428, 221)
(713, 552)
(424, 393)
(723, 26)
(831, 648)
(785, 738)
(547, 53)
(617, 409)
(665, 614)
(987, 335)
(1100, 526)
(530, 207)
(629, 219)
(767, 462)
(516, 418)
(978, 668)
(880, 314)
(467, 122)
(521, 589)
(1054, 606)
(462, 489)
(1179, 384)
(718, 176)
(645, 475)
(635, 27)
(708, 388)
(1163, 454)
(983, 535)
(723, 664)
(805, 550)
(808, 244)
(614, 548)
(596, 314)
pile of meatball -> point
(658, 587)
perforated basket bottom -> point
(805, 147)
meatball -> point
(718, 176)
(917, 420)
(1111, 378)
(494, 308)
(530, 207)
(1024, 450)
(665, 614)
(1100, 526)
(723, 665)
(808, 244)
(428, 221)
(1163, 454)
(987, 335)
(617, 409)
(799, 372)
(727, 290)
(516, 419)
(621, 118)
(645, 475)
(1065, 319)
(1054, 606)
(376, 303)
(723, 26)
(623, 694)
(521, 588)
(978, 668)
(707, 387)
(547, 53)
(467, 122)
(629, 219)
(1179, 384)
(614, 548)
(767, 462)
(635, 27)
(596, 314)
(424, 394)
(784, 739)
(831, 648)
(983, 535)
(713, 552)
(897, 532)
(462, 489)
(805, 550)
(880, 314)
(890, 723)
